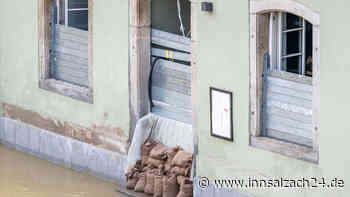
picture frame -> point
(221, 115)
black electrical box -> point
(207, 6)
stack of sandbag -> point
(162, 172)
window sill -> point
(285, 148)
(74, 91)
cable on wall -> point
(182, 29)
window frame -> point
(276, 43)
(48, 83)
(257, 45)
(67, 10)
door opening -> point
(171, 75)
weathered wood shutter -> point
(287, 110)
(171, 76)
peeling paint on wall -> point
(103, 136)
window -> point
(284, 78)
(74, 15)
(290, 43)
(66, 47)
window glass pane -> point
(291, 21)
(74, 4)
(291, 42)
(292, 64)
(61, 12)
(308, 49)
(79, 19)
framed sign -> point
(221, 114)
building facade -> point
(284, 61)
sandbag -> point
(149, 188)
(170, 186)
(180, 179)
(182, 159)
(144, 160)
(186, 188)
(158, 183)
(159, 152)
(146, 149)
(140, 185)
(132, 176)
(179, 171)
(132, 181)
(170, 156)
(155, 162)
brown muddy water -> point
(22, 175)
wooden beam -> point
(139, 59)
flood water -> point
(22, 175)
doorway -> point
(171, 75)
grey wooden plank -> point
(71, 79)
(287, 121)
(173, 113)
(72, 45)
(74, 39)
(72, 31)
(288, 84)
(70, 76)
(76, 65)
(77, 37)
(73, 71)
(171, 45)
(73, 52)
(170, 40)
(290, 100)
(289, 91)
(287, 126)
(172, 98)
(71, 59)
(171, 54)
(170, 36)
(288, 107)
(289, 137)
(275, 111)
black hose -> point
(150, 81)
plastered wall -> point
(223, 62)
(19, 66)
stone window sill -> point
(284, 148)
(67, 89)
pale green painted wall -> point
(223, 62)
(19, 66)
